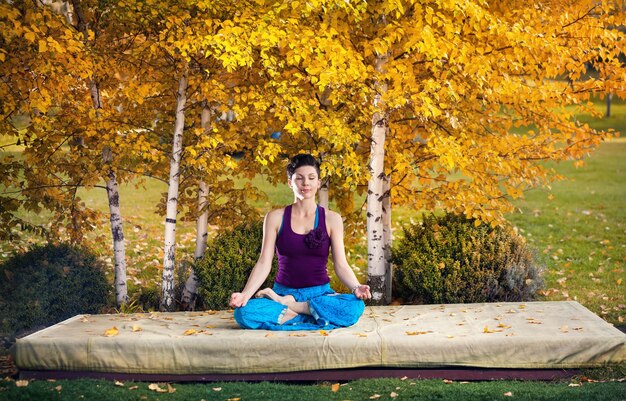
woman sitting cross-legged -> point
(302, 234)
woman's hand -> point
(237, 300)
(362, 292)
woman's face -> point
(305, 182)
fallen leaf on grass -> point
(113, 331)
(119, 384)
(508, 394)
(133, 388)
(58, 388)
(21, 383)
(158, 389)
(446, 381)
(375, 396)
(334, 388)
(393, 395)
(574, 385)
(217, 389)
(233, 399)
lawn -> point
(372, 389)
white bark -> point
(169, 248)
(376, 262)
(113, 195)
(119, 248)
(387, 237)
(322, 194)
(188, 299)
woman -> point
(302, 234)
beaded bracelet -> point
(355, 288)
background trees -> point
(464, 98)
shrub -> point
(48, 284)
(227, 263)
(449, 259)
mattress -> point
(531, 335)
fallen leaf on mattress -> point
(334, 388)
(324, 333)
(210, 326)
(564, 329)
(113, 331)
(119, 384)
(361, 335)
(84, 319)
(504, 326)
(522, 306)
(297, 335)
(190, 332)
(511, 311)
(21, 383)
(269, 335)
(168, 318)
(136, 328)
(488, 330)
(417, 333)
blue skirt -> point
(329, 310)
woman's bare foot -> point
(270, 294)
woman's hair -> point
(302, 160)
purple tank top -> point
(302, 258)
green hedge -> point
(48, 284)
(449, 259)
(227, 263)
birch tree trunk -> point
(376, 262)
(188, 299)
(169, 248)
(113, 195)
(387, 237)
(322, 194)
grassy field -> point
(380, 389)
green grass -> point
(579, 231)
(381, 389)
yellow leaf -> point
(43, 46)
(487, 330)
(324, 333)
(619, 281)
(335, 387)
(21, 383)
(119, 383)
(190, 332)
(157, 388)
(112, 332)
(30, 36)
(136, 328)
